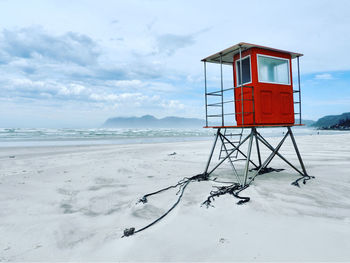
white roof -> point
(228, 53)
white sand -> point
(73, 203)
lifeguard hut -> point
(261, 95)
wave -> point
(46, 136)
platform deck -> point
(255, 125)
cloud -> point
(4, 57)
(170, 43)
(134, 83)
(72, 71)
(324, 76)
(25, 89)
(115, 97)
(31, 89)
(35, 43)
(67, 58)
(173, 104)
(72, 89)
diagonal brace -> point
(233, 167)
(228, 155)
(268, 145)
(245, 156)
(271, 156)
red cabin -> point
(259, 94)
(262, 79)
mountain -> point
(341, 125)
(332, 121)
(149, 121)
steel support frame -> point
(254, 134)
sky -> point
(76, 63)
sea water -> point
(12, 137)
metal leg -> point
(212, 151)
(268, 160)
(246, 169)
(262, 139)
(257, 147)
(230, 161)
(245, 156)
(232, 151)
(272, 149)
(258, 137)
(297, 151)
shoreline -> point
(99, 142)
(13, 141)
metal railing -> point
(299, 94)
(220, 93)
(232, 99)
(221, 112)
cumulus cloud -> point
(41, 68)
(324, 76)
(125, 83)
(36, 89)
(169, 43)
(32, 54)
(98, 97)
(35, 43)
(115, 97)
(71, 89)
(173, 104)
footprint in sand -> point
(148, 211)
(69, 235)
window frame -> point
(278, 83)
(250, 71)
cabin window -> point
(246, 72)
(273, 70)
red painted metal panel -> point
(248, 116)
(273, 103)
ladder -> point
(235, 137)
(226, 147)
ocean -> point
(15, 137)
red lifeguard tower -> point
(261, 95)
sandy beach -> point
(72, 203)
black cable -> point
(233, 189)
(183, 183)
(131, 231)
(144, 198)
(304, 178)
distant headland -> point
(334, 122)
(149, 121)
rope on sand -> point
(233, 189)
